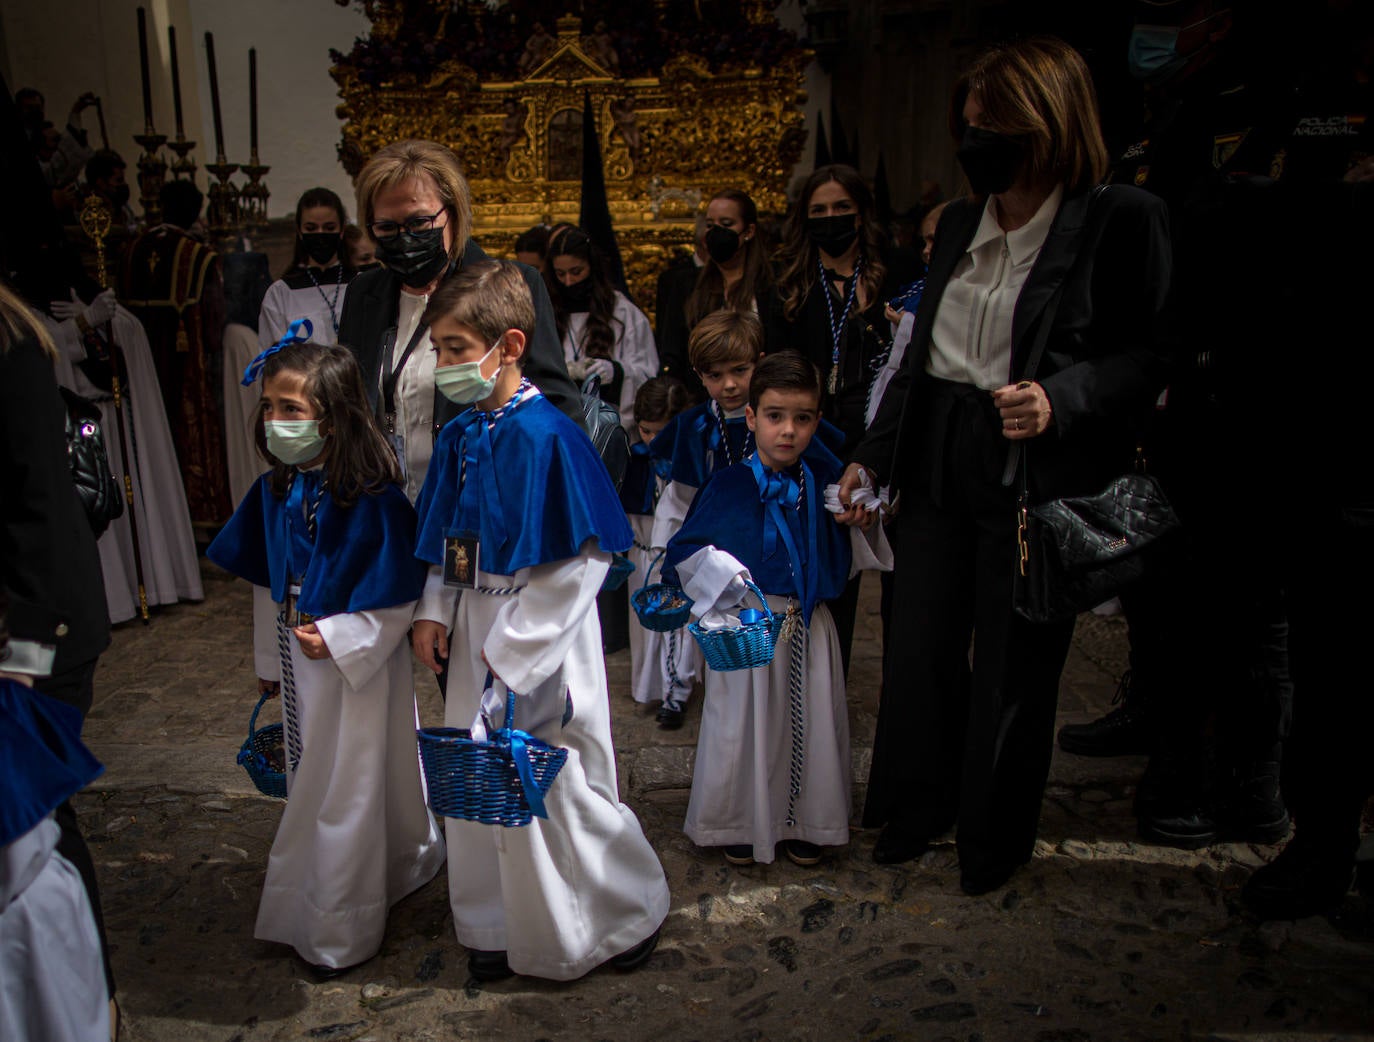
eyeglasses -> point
(413, 225)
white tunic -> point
(241, 411)
(295, 297)
(651, 679)
(170, 569)
(570, 891)
(356, 836)
(52, 982)
(634, 350)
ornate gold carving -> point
(667, 141)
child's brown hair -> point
(725, 337)
(490, 296)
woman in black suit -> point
(1035, 244)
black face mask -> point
(418, 257)
(577, 297)
(833, 234)
(990, 160)
(320, 246)
(367, 266)
(721, 243)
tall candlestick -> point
(253, 101)
(143, 68)
(176, 76)
(214, 96)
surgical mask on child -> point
(464, 384)
(294, 441)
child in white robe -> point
(724, 348)
(772, 762)
(656, 403)
(327, 538)
(582, 886)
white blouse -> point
(971, 337)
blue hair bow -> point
(293, 336)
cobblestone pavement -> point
(1099, 938)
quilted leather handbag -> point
(1074, 553)
(603, 426)
(101, 495)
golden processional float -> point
(686, 102)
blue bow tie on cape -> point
(303, 497)
(779, 493)
(480, 499)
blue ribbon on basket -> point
(519, 745)
(293, 336)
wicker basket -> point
(619, 572)
(747, 646)
(481, 781)
(658, 606)
(256, 754)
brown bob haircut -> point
(1039, 89)
(725, 337)
(426, 161)
(490, 297)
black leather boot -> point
(1124, 731)
(1254, 810)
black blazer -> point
(48, 559)
(373, 304)
(1103, 364)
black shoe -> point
(986, 880)
(488, 966)
(800, 852)
(1254, 811)
(739, 854)
(670, 717)
(1301, 881)
(633, 958)
(894, 847)
(321, 972)
(1122, 732)
(1184, 828)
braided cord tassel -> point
(796, 681)
(670, 699)
(290, 709)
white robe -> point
(171, 571)
(282, 305)
(355, 836)
(673, 504)
(650, 678)
(741, 784)
(241, 411)
(570, 891)
(52, 982)
(634, 350)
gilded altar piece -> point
(683, 106)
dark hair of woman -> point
(599, 337)
(360, 462)
(709, 294)
(660, 398)
(797, 257)
(313, 197)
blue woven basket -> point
(620, 570)
(480, 781)
(259, 752)
(747, 646)
(658, 606)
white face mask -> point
(294, 441)
(463, 384)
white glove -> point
(600, 367)
(97, 313)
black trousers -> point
(75, 687)
(962, 742)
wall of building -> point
(93, 45)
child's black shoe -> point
(800, 852)
(635, 957)
(670, 716)
(488, 966)
(740, 854)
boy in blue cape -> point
(772, 760)
(518, 521)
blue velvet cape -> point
(729, 514)
(363, 557)
(534, 490)
(42, 760)
(640, 483)
(691, 442)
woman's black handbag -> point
(1074, 553)
(603, 426)
(100, 493)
